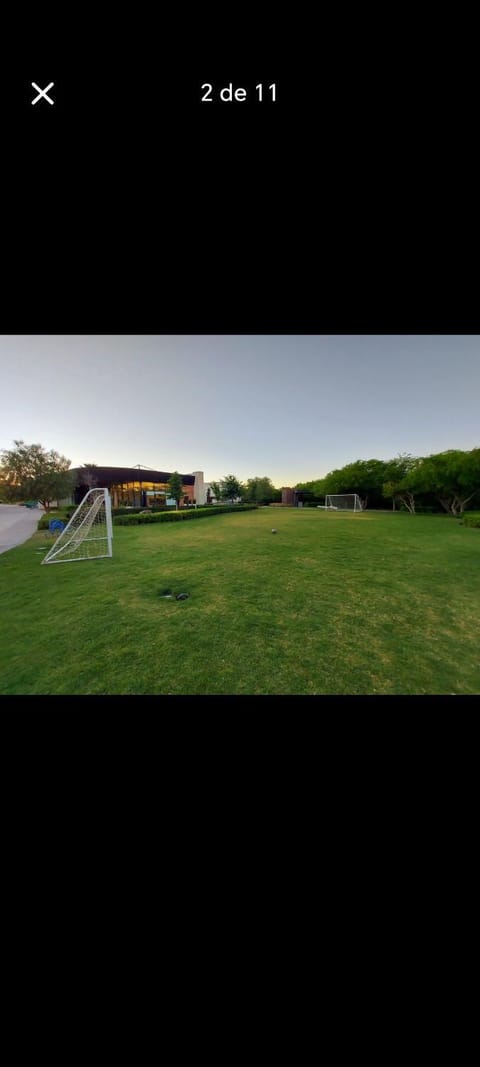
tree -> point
(259, 491)
(230, 488)
(215, 490)
(9, 491)
(175, 487)
(88, 475)
(30, 472)
(397, 484)
(453, 476)
(316, 488)
(364, 476)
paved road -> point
(17, 524)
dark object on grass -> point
(274, 531)
(168, 595)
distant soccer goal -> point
(88, 535)
(343, 502)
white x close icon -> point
(42, 92)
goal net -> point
(88, 535)
(343, 502)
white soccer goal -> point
(343, 502)
(88, 535)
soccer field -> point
(333, 603)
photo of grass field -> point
(335, 603)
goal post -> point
(89, 533)
(343, 502)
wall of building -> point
(135, 488)
(200, 489)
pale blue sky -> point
(286, 406)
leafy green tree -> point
(230, 488)
(397, 485)
(215, 490)
(453, 476)
(316, 488)
(250, 490)
(10, 492)
(364, 476)
(175, 487)
(259, 491)
(30, 472)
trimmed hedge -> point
(126, 511)
(178, 516)
(139, 510)
(471, 518)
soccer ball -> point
(274, 531)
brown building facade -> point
(294, 498)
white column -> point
(199, 490)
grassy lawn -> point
(333, 603)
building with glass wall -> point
(138, 486)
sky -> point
(288, 407)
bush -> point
(471, 518)
(141, 510)
(64, 514)
(178, 516)
(126, 511)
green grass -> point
(333, 603)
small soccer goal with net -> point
(343, 502)
(88, 535)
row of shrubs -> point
(138, 510)
(178, 516)
(66, 511)
(472, 518)
(65, 514)
(132, 516)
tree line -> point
(448, 480)
(30, 472)
(253, 491)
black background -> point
(130, 207)
(346, 206)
